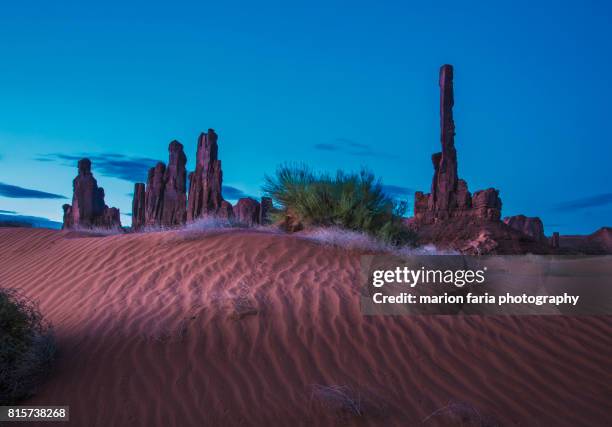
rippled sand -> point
(249, 328)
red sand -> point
(235, 329)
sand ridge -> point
(239, 328)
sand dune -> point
(247, 328)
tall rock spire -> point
(205, 183)
(450, 197)
(163, 201)
(445, 179)
(175, 197)
(138, 206)
(154, 195)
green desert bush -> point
(27, 347)
(354, 201)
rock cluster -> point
(250, 212)
(247, 211)
(452, 216)
(265, 211)
(597, 243)
(450, 197)
(226, 211)
(162, 201)
(530, 226)
(88, 209)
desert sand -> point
(251, 328)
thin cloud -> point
(586, 202)
(16, 192)
(327, 147)
(350, 147)
(7, 212)
(34, 221)
(234, 193)
(397, 191)
(131, 169)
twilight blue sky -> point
(333, 84)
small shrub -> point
(27, 347)
(354, 201)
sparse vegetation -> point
(353, 201)
(461, 414)
(360, 241)
(202, 227)
(94, 231)
(27, 347)
(338, 398)
(346, 402)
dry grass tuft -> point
(460, 414)
(345, 402)
(338, 398)
(360, 241)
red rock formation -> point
(467, 235)
(175, 197)
(138, 206)
(68, 220)
(444, 185)
(450, 216)
(154, 195)
(246, 211)
(450, 197)
(421, 206)
(486, 205)
(88, 209)
(463, 196)
(554, 240)
(226, 211)
(530, 226)
(205, 183)
(165, 198)
(265, 211)
(597, 243)
(484, 243)
(111, 218)
(603, 237)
